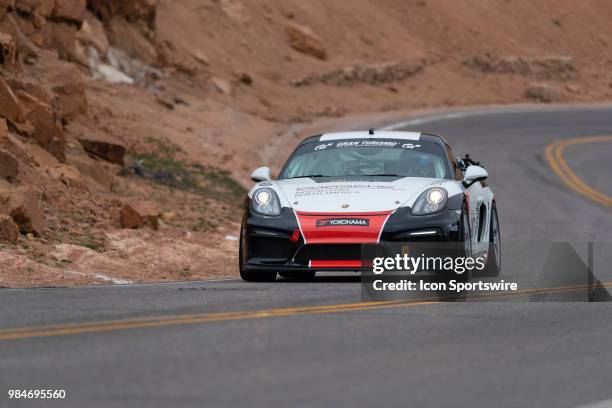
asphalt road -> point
(208, 344)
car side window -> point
(453, 160)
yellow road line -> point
(91, 327)
(554, 155)
(150, 322)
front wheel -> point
(493, 267)
(464, 250)
(465, 242)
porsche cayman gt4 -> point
(340, 190)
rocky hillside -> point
(124, 124)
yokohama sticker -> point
(334, 222)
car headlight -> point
(265, 202)
(430, 201)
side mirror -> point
(474, 174)
(261, 174)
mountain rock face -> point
(129, 128)
(9, 231)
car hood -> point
(350, 196)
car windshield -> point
(367, 157)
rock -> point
(185, 65)
(168, 216)
(165, 101)
(572, 88)
(137, 214)
(139, 10)
(246, 79)
(235, 10)
(543, 93)
(41, 157)
(10, 108)
(547, 67)
(129, 218)
(24, 129)
(12, 144)
(4, 5)
(28, 102)
(39, 10)
(112, 75)
(93, 169)
(373, 74)
(68, 175)
(57, 148)
(81, 54)
(47, 126)
(23, 84)
(200, 57)
(92, 33)
(72, 11)
(62, 38)
(104, 147)
(44, 7)
(131, 10)
(9, 166)
(68, 85)
(9, 231)
(23, 206)
(128, 37)
(29, 51)
(222, 85)
(304, 40)
(132, 67)
(8, 50)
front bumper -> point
(270, 244)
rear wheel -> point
(493, 267)
(305, 276)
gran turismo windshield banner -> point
(424, 146)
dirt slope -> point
(124, 124)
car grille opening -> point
(324, 252)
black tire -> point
(302, 276)
(465, 238)
(258, 276)
(494, 260)
(252, 276)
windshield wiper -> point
(354, 175)
(309, 175)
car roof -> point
(373, 134)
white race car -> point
(340, 190)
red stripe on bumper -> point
(347, 234)
(335, 264)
